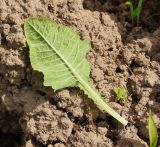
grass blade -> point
(153, 134)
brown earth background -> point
(32, 115)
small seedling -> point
(121, 93)
(135, 13)
(153, 133)
(59, 53)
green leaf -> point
(135, 13)
(59, 53)
(153, 133)
(121, 93)
(130, 5)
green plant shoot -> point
(153, 133)
(121, 93)
(135, 13)
(130, 5)
(59, 53)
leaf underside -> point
(50, 44)
(59, 53)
